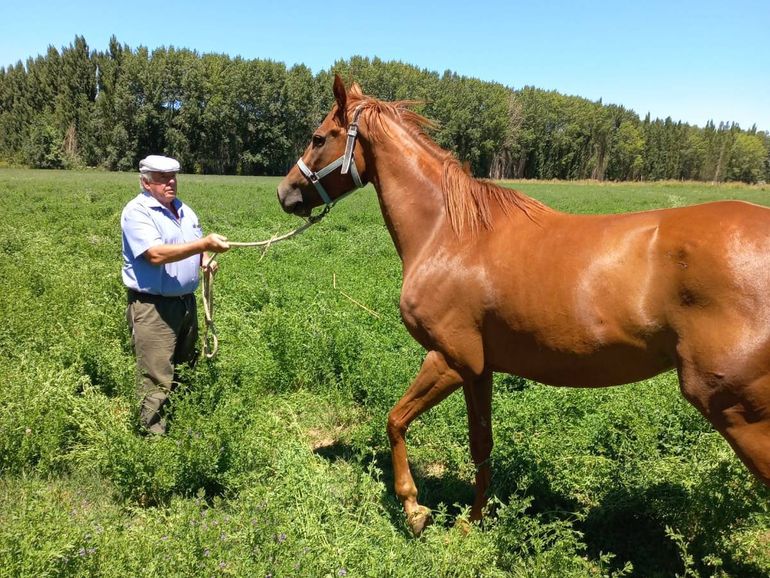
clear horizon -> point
(692, 61)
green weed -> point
(276, 461)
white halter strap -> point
(347, 161)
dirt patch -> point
(324, 437)
(435, 470)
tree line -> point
(78, 107)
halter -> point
(346, 161)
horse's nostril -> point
(288, 199)
(291, 206)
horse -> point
(495, 281)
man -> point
(163, 250)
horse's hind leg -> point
(738, 407)
(478, 399)
(434, 383)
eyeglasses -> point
(161, 178)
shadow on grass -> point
(626, 523)
(435, 492)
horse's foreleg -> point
(434, 383)
(478, 399)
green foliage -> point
(42, 149)
(472, 117)
(277, 462)
(75, 107)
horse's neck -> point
(408, 182)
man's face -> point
(162, 186)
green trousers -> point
(164, 334)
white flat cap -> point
(158, 164)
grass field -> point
(277, 463)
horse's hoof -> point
(419, 519)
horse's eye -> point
(318, 140)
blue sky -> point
(691, 60)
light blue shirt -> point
(146, 223)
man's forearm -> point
(162, 254)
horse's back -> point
(606, 298)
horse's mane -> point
(468, 200)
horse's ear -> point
(341, 95)
(355, 90)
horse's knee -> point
(481, 449)
(396, 426)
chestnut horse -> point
(496, 281)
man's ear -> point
(341, 96)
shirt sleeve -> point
(140, 231)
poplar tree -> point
(74, 107)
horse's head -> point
(331, 166)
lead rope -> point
(210, 340)
(347, 164)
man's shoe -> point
(157, 427)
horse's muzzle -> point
(291, 200)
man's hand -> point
(208, 264)
(162, 254)
(216, 243)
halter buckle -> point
(344, 162)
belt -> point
(153, 298)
